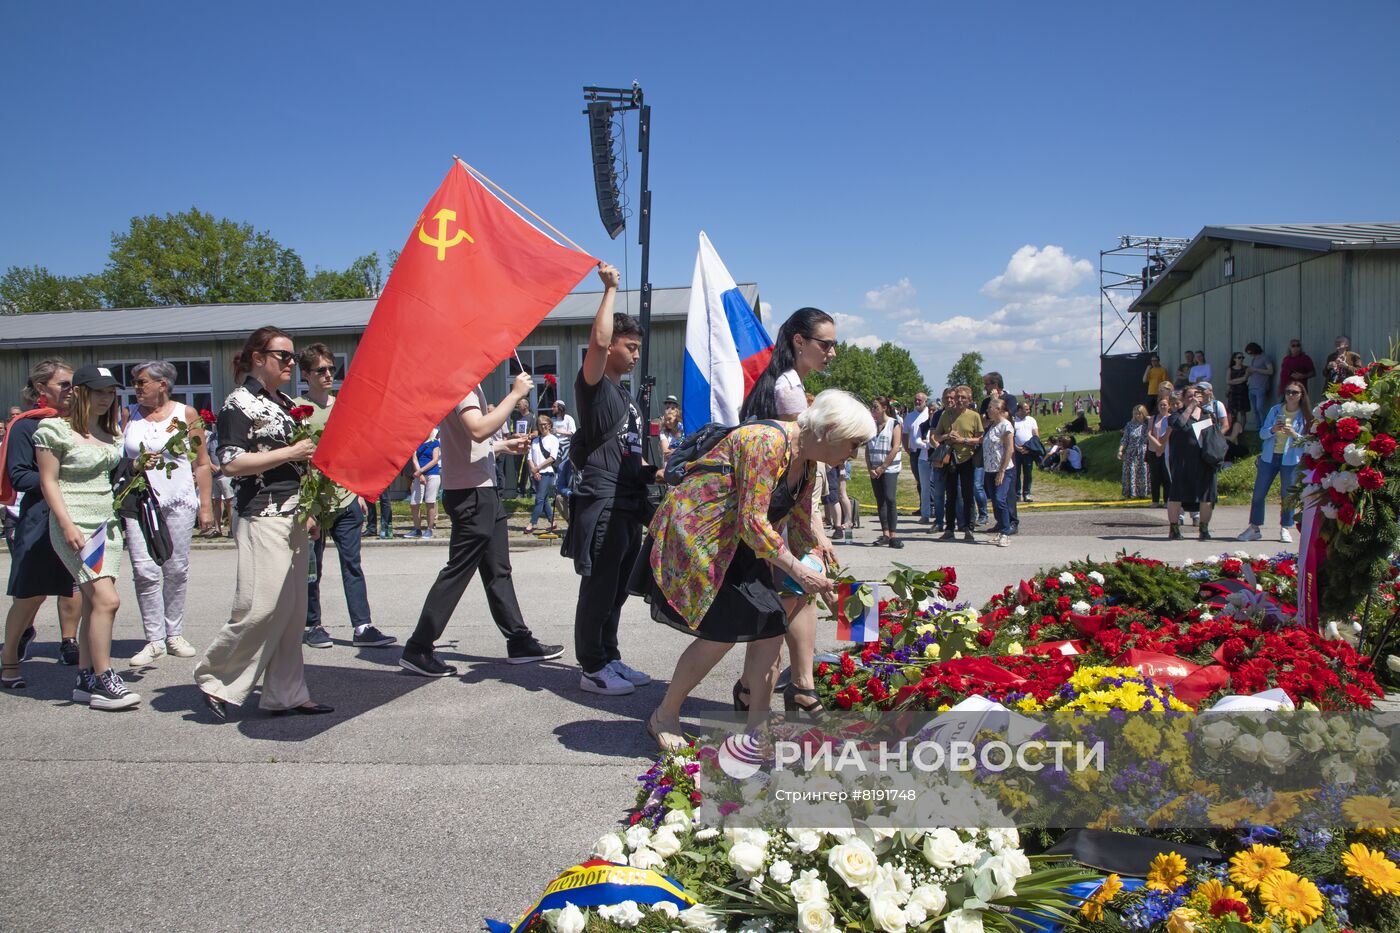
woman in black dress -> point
(1237, 401)
(1192, 479)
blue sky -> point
(940, 175)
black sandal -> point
(12, 683)
(740, 706)
(792, 704)
(216, 706)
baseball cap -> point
(1205, 385)
(95, 377)
(672, 399)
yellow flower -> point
(1232, 814)
(1142, 736)
(1110, 888)
(932, 651)
(1208, 892)
(1279, 810)
(1290, 898)
(1378, 873)
(1015, 648)
(1028, 704)
(1183, 920)
(1249, 868)
(1373, 813)
(1167, 872)
(1092, 908)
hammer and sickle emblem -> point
(441, 241)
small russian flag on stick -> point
(92, 552)
(856, 621)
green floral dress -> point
(85, 482)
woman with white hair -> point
(740, 518)
(182, 483)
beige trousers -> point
(262, 638)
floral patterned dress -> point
(85, 482)
(715, 532)
(1135, 483)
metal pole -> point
(644, 235)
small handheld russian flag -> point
(93, 551)
(855, 621)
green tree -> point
(887, 370)
(33, 288)
(196, 258)
(967, 371)
(364, 279)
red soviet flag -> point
(472, 281)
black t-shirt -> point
(1008, 397)
(614, 468)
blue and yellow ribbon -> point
(600, 884)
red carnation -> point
(300, 413)
(1349, 390)
(207, 417)
(1382, 444)
(1228, 905)
(1370, 478)
(550, 379)
(1346, 514)
(1348, 429)
(984, 637)
(1095, 591)
(948, 591)
(1062, 603)
(1051, 583)
(1231, 567)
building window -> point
(193, 381)
(340, 365)
(1229, 265)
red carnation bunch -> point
(1383, 445)
(1349, 390)
(1348, 429)
(1370, 478)
(1228, 905)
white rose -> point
(886, 912)
(1393, 662)
(815, 917)
(665, 842)
(569, 920)
(781, 871)
(667, 909)
(963, 921)
(609, 848)
(638, 836)
(941, 848)
(809, 887)
(677, 821)
(746, 858)
(1218, 734)
(1274, 751)
(994, 879)
(1371, 743)
(645, 858)
(1067, 578)
(854, 861)
(1096, 577)
(1246, 748)
(625, 914)
(1081, 607)
(929, 897)
(699, 918)
(808, 840)
(1310, 742)
(1338, 771)
(1003, 838)
(1019, 610)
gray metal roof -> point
(235, 321)
(1323, 238)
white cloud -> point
(765, 311)
(868, 342)
(891, 297)
(847, 322)
(1033, 271)
(1063, 363)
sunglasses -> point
(283, 356)
(323, 370)
(138, 383)
(826, 345)
(1295, 344)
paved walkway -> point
(418, 804)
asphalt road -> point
(418, 804)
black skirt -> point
(35, 569)
(746, 608)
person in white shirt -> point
(916, 417)
(1026, 427)
(544, 454)
(1200, 369)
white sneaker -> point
(1285, 536)
(147, 655)
(1003, 541)
(1251, 534)
(630, 674)
(606, 681)
(179, 647)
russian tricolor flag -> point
(93, 551)
(726, 347)
(854, 621)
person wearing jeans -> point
(999, 465)
(1027, 435)
(544, 453)
(318, 369)
(961, 427)
(883, 454)
(1282, 432)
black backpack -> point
(682, 461)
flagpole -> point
(512, 199)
